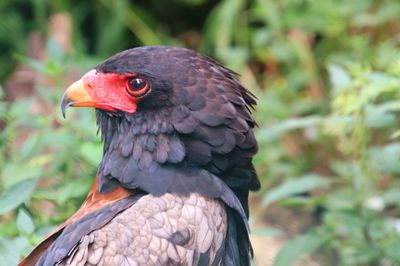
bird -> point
(173, 183)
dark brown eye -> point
(138, 86)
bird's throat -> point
(139, 143)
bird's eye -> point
(138, 86)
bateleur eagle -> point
(172, 187)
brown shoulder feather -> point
(95, 200)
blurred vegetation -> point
(327, 75)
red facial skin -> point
(107, 91)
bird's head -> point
(169, 108)
(152, 78)
(127, 81)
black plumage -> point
(193, 128)
(204, 113)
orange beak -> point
(77, 95)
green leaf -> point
(392, 196)
(392, 251)
(377, 118)
(363, 255)
(23, 244)
(343, 199)
(91, 152)
(55, 53)
(295, 186)
(298, 246)
(19, 172)
(8, 253)
(35, 64)
(387, 158)
(16, 195)
(395, 134)
(296, 201)
(338, 77)
(25, 224)
(220, 25)
(271, 133)
(342, 168)
(135, 19)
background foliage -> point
(327, 75)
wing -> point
(165, 230)
(93, 202)
(215, 126)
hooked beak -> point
(76, 95)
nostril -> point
(89, 86)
